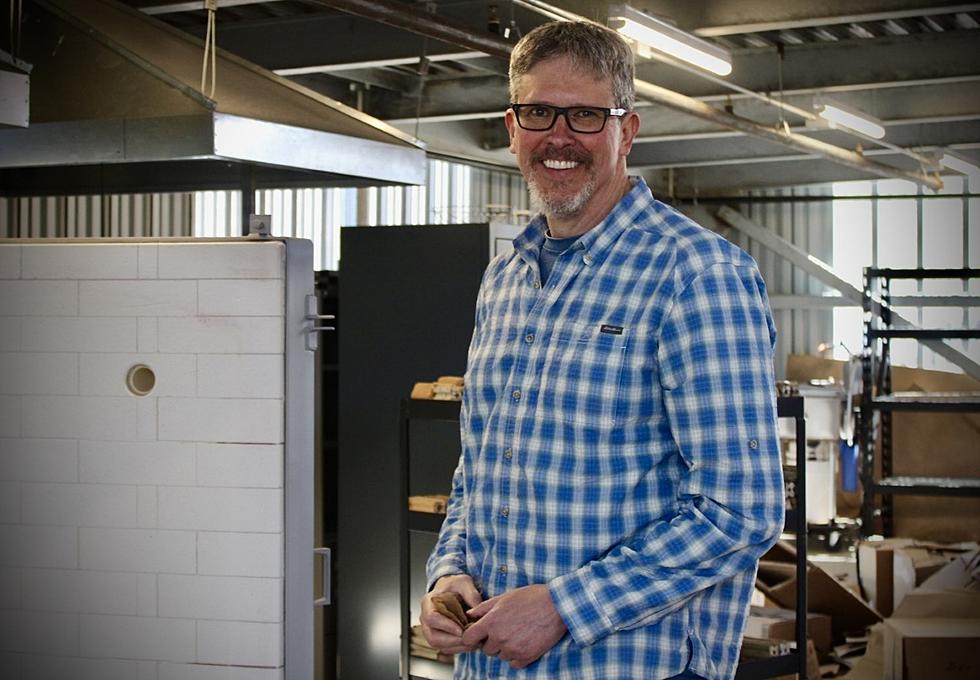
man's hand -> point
(442, 632)
(518, 626)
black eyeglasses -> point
(585, 119)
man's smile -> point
(552, 164)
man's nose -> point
(560, 129)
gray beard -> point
(563, 207)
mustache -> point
(565, 154)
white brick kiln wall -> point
(141, 538)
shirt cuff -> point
(446, 566)
(578, 608)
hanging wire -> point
(423, 72)
(210, 46)
(781, 52)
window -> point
(893, 223)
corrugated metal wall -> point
(809, 225)
(114, 215)
(454, 193)
(499, 196)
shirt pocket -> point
(639, 400)
(582, 372)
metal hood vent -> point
(115, 107)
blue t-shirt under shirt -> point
(551, 249)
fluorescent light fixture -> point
(670, 40)
(955, 162)
(845, 116)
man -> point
(620, 473)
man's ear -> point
(629, 128)
(511, 125)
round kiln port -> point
(140, 380)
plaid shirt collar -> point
(597, 240)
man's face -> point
(565, 170)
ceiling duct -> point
(115, 107)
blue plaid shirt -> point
(619, 445)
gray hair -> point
(596, 48)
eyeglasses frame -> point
(563, 111)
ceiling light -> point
(960, 164)
(845, 116)
(670, 40)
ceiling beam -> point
(397, 84)
(179, 7)
(377, 63)
(401, 16)
(752, 160)
(725, 180)
(912, 103)
(808, 145)
(730, 17)
(706, 149)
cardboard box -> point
(780, 624)
(871, 665)
(935, 632)
(891, 568)
(932, 649)
(952, 592)
(777, 580)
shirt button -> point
(508, 454)
(537, 284)
(516, 394)
(753, 443)
(505, 511)
(587, 259)
(503, 568)
(529, 338)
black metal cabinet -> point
(405, 315)
(877, 397)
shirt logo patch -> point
(611, 330)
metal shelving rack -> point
(414, 668)
(878, 397)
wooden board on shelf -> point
(431, 503)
